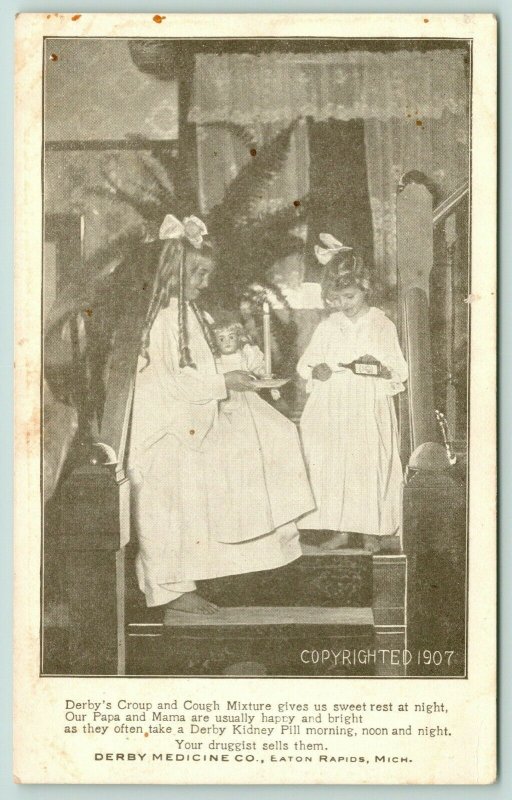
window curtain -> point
(437, 147)
(279, 87)
(413, 106)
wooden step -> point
(253, 640)
(319, 578)
(252, 616)
(344, 578)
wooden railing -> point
(115, 421)
(422, 273)
(432, 250)
(448, 206)
(94, 526)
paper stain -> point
(419, 123)
(472, 298)
(31, 432)
(54, 57)
(253, 151)
(76, 17)
(158, 18)
(296, 203)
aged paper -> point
(255, 399)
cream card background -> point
(42, 753)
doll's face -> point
(228, 340)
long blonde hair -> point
(170, 280)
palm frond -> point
(86, 281)
(159, 158)
(275, 223)
(149, 209)
(159, 172)
(243, 190)
(244, 135)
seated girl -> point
(214, 494)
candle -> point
(266, 339)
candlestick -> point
(266, 339)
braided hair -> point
(170, 281)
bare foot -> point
(191, 603)
(335, 541)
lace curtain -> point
(437, 147)
(279, 87)
(414, 107)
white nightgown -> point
(349, 429)
(204, 506)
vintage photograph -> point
(256, 307)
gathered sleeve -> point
(313, 354)
(181, 383)
(254, 360)
(391, 356)
(172, 400)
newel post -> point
(415, 255)
(93, 532)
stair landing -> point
(288, 621)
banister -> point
(94, 524)
(115, 421)
(444, 209)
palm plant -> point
(113, 279)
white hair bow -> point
(333, 246)
(192, 228)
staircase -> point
(317, 616)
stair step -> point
(254, 640)
(318, 578)
(346, 578)
(312, 550)
(244, 616)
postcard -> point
(255, 477)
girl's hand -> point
(322, 372)
(239, 381)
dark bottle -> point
(364, 367)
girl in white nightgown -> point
(204, 506)
(349, 426)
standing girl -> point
(349, 426)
